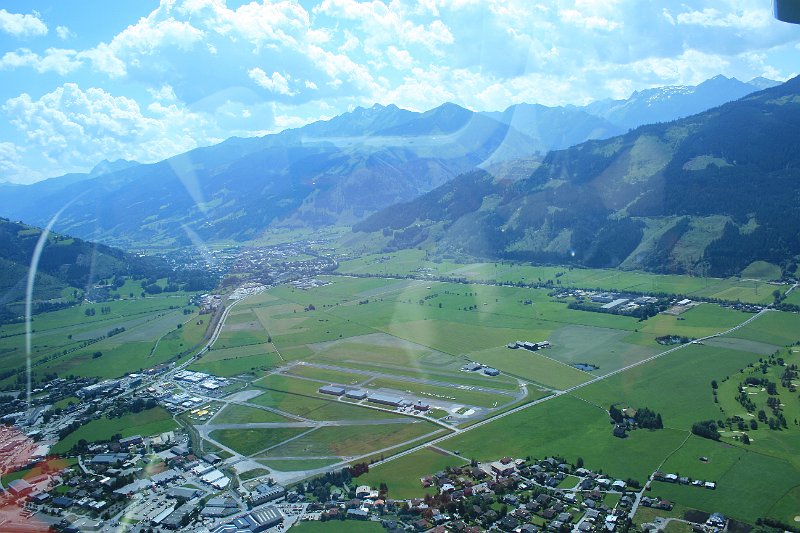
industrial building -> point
(357, 394)
(134, 440)
(532, 346)
(254, 522)
(386, 399)
(332, 390)
(615, 303)
(264, 493)
(91, 391)
(19, 487)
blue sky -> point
(145, 80)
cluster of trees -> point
(115, 331)
(776, 524)
(137, 405)
(358, 469)
(644, 417)
(320, 487)
(771, 386)
(774, 422)
(706, 429)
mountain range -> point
(708, 194)
(338, 171)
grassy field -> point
(145, 423)
(293, 465)
(678, 386)
(353, 440)
(242, 414)
(327, 375)
(762, 270)
(151, 336)
(414, 262)
(51, 465)
(532, 366)
(429, 330)
(402, 485)
(746, 491)
(571, 428)
(780, 329)
(251, 441)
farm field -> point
(793, 298)
(779, 329)
(345, 441)
(252, 441)
(536, 367)
(747, 491)
(568, 427)
(242, 414)
(678, 386)
(413, 262)
(146, 423)
(67, 341)
(394, 473)
(413, 337)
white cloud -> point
(72, 129)
(401, 59)
(384, 23)
(21, 25)
(277, 83)
(689, 68)
(711, 17)
(164, 93)
(590, 22)
(278, 21)
(12, 169)
(146, 37)
(482, 54)
(64, 33)
(57, 60)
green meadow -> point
(398, 474)
(151, 422)
(346, 441)
(155, 330)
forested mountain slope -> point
(709, 193)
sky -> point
(143, 80)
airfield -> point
(412, 338)
(405, 333)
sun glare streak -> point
(32, 269)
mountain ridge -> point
(337, 171)
(709, 193)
